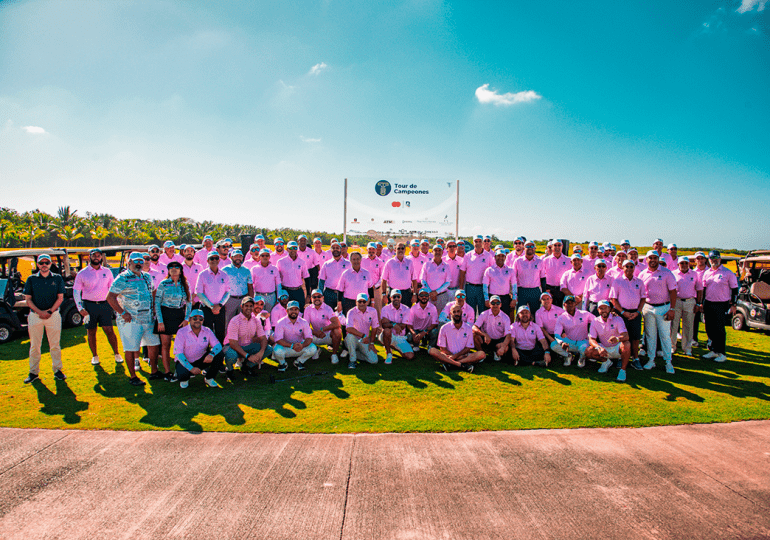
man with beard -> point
(213, 290)
(500, 280)
(671, 257)
(324, 324)
(453, 261)
(530, 277)
(555, 266)
(308, 256)
(455, 344)
(201, 256)
(720, 292)
(354, 281)
(252, 259)
(191, 270)
(472, 274)
(293, 339)
(527, 341)
(266, 280)
(435, 277)
(279, 252)
(330, 274)
(689, 294)
(517, 253)
(597, 287)
(469, 316)
(362, 327)
(608, 340)
(197, 351)
(573, 282)
(223, 248)
(628, 296)
(156, 272)
(424, 321)
(374, 265)
(398, 275)
(546, 316)
(294, 272)
(92, 284)
(396, 318)
(246, 340)
(571, 333)
(156, 266)
(240, 284)
(169, 253)
(491, 329)
(660, 290)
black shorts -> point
(172, 320)
(99, 314)
(634, 327)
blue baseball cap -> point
(292, 245)
(371, 245)
(292, 304)
(168, 244)
(196, 313)
(652, 253)
(524, 307)
(278, 241)
(714, 254)
(94, 250)
(135, 257)
(423, 290)
(45, 257)
(259, 237)
(301, 236)
(494, 298)
(395, 292)
(459, 293)
(362, 296)
(208, 237)
(438, 246)
(153, 246)
(499, 252)
(316, 291)
(264, 251)
(284, 294)
(597, 262)
(235, 252)
(569, 298)
(604, 303)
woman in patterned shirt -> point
(172, 307)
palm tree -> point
(69, 233)
(99, 233)
(125, 229)
(7, 228)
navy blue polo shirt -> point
(44, 290)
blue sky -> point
(636, 119)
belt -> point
(685, 299)
(292, 288)
(630, 310)
(658, 305)
(330, 289)
(474, 284)
(237, 297)
(95, 301)
(264, 293)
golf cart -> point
(753, 305)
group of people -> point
(226, 311)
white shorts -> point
(399, 342)
(613, 352)
(326, 340)
(134, 335)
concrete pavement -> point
(704, 481)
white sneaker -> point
(95, 361)
(582, 361)
(709, 355)
(606, 365)
(693, 343)
(720, 358)
(416, 348)
(650, 364)
(568, 361)
(642, 352)
(389, 359)
(211, 383)
(335, 359)
(137, 365)
(621, 376)
(184, 384)
(344, 353)
(670, 368)
(146, 361)
(496, 357)
(118, 359)
(688, 352)
(679, 336)
(317, 354)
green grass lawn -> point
(406, 396)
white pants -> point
(398, 342)
(574, 347)
(655, 325)
(356, 347)
(282, 353)
(326, 340)
(37, 327)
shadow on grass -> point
(18, 349)
(63, 403)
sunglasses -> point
(317, 296)
(44, 263)
(494, 303)
(196, 318)
(601, 266)
(361, 302)
(213, 258)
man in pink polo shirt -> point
(293, 339)
(527, 341)
(293, 274)
(701, 265)
(571, 333)
(500, 280)
(396, 318)
(593, 254)
(530, 277)
(354, 281)
(517, 253)
(453, 262)
(423, 327)
(617, 270)
(472, 274)
(491, 329)
(279, 252)
(628, 296)
(608, 340)
(546, 316)
(397, 274)
(325, 324)
(266, 279)
(671, 257)
(191, 270)
(435, 277)
(469, 316)
(169, 254)
(633, 254)
(246, 342)
(720, 293)
(374, 265)
(330, 274)
(555, 266)
(213, 290)
(573, 281)
(660, 288)
(201, 256)
(253, 257)
(597, 287)
(455, 344)
(222, 248)
(418, 260)
(689, 294)
(362, 328)
(389, 251)
(197, 351)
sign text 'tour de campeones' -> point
(409, 189)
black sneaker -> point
(300, 366)
(470, 368)
(157, 376)
(230, 375)
(136, 381)
(171, 377)
(31, 378)
(59, 376)
(282, 367)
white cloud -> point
(34, 130)
(749, 5)
(316, 69)
(485, 95)
(308, 140)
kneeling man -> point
(608, 340)
(197, 350)
(455, 344)
(293, 339)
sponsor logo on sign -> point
(382, 188)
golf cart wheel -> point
(6, 333)
(74, 318)
(739, 322)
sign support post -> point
(345, 215)
(457, 216)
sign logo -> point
(395, 204)
(382, 188)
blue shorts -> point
(134, 335)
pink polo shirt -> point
(574, 327)
(422, 319)
(547, 319)
(250, 262)
(201, 256)
(374, 267)
(455, 339)
(164, 259)
(275, 256)
(293, 332)
(318, 317)
(435, 275)
(353, 283)
(597, 289)
(323, 256)
(398, 274)
(474, 265)
(453, 268)
(718, 284)
(293, 271)
(331, 271)
(657, 284)
(500, 280)
(191, 274)
(602, 330)
(687, 284)
(157, 274)
(93, 284)
(555, 268)
(387, 254)
(528, 272)
(223, 261)
(671, 263)
(511, 258)
(362, 320)
(402, 315)
(214, 286)
(265, 278)
(417, 264)
(628, 292)
(191, 346)
(614, 272)
(469, 315)
(308, 256)
(526, 338)
(574, 282)
(277, 313)
(243, 330)
(497, 326)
